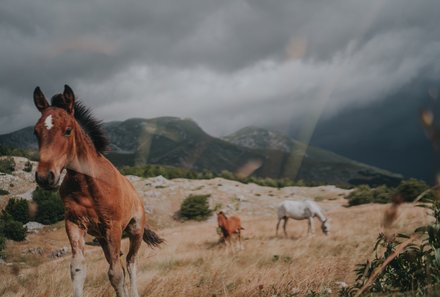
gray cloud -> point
(226, 64)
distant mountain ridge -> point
(316, 163)
(182, 143)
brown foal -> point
(98, 200)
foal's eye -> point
(68, 131)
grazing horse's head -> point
(55, 133)
(325, 227)
(221, 218)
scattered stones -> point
(33, 227)
(341, 284)
(34, 251)
(60, 252)
(158, 181)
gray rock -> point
(33, 227)
(60, 252)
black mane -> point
(93, 127)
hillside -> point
(193, 262)
(315, 163)
(182, 143)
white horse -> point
(301, 210)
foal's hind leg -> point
(77, 266)
(136, 231)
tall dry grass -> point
(192, 263)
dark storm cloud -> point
(227, 64)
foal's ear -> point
(69, 99)
(39, 100)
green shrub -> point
(12, 229)
(7, 165)
(9, 151)
(411, 188)
(50, 206)
(171, 172)
(18, 209)
(364, 194)
(195, 208)
(3, 192)
(2, 242)
(27, 166)
(358, 197)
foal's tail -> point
(151, 238)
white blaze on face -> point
(48, 122)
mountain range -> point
(182, 143)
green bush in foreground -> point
(195, 208)
(18, 209)
(11, 229)
(50, 206)
(416, 270)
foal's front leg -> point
(77, 266)
(112, 249)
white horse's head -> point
(325, 227)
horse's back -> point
(298, 210)
(235, 224)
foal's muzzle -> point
(47, 180)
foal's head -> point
(55, 133)
(221, 218)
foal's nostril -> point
(51, 178)
(47, 180)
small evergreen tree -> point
(11, 229)
(18, 209)
(195, 208)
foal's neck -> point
(85, 159)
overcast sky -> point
(226, 64)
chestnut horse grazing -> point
(230, 227)
(97, 199)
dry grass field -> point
(194, 263)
